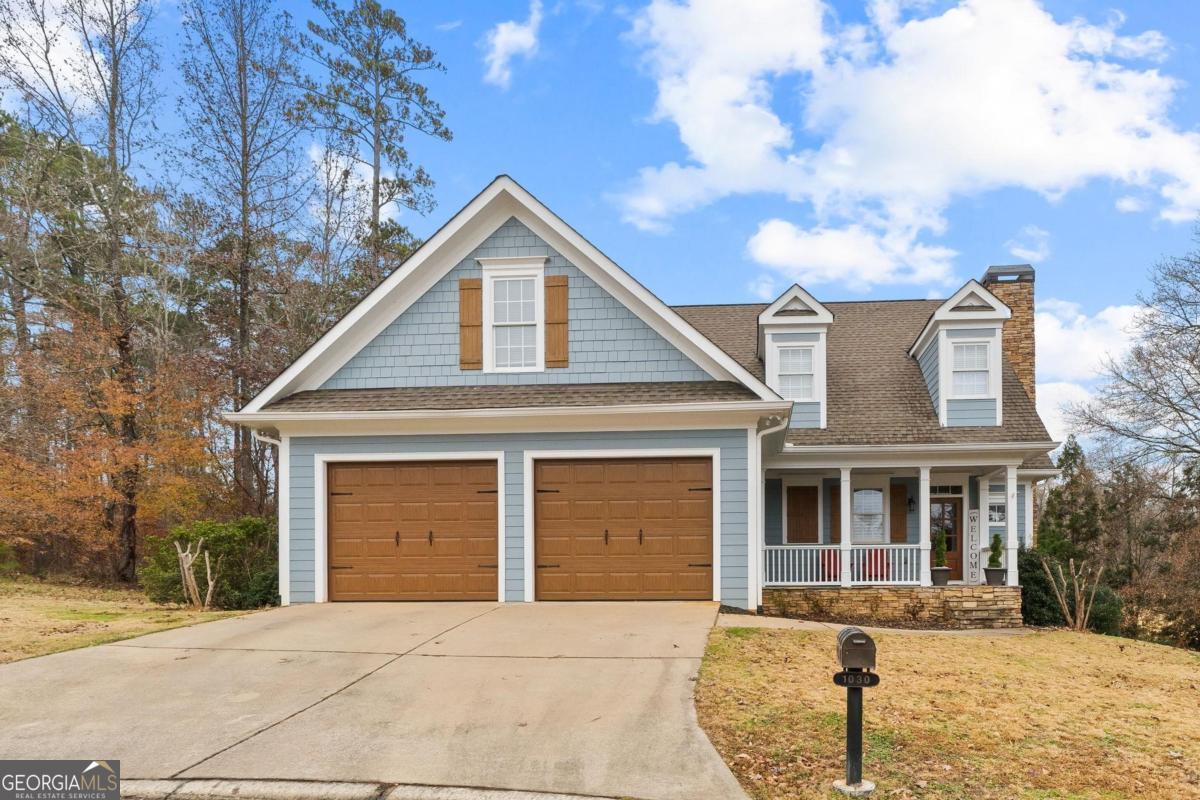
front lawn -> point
(1045, 715)
(40, 617)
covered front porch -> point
(875, 525)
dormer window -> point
(796, 377)
(792, 333)
(970, 370)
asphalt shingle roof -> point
(876, 394)
(535, 395)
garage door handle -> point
(639, 535)
(701, 565)
(548, 566)
(397, 538)
(431, 537)
(606, 535)
(487, 566)
(341, 567)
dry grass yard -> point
(40, 617)
(1045, 715)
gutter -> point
(919, 448)
(262, 437)
(266, 417)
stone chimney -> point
(1013, 286)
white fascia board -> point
(690, 416)
(821, 314)
(946, 314)
(909, 455)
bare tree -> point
(1072, 594)
(1150, 400)
(236, 66)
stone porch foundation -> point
(899, 606)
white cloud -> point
(1032, 244)
(1072, 346)
(509, 40)
(763, 287)
(1129, 204)
(449, 25)
(898, 117)
(1053, 401)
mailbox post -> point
(856, 654)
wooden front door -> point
(945, 514)
(623, 529)
(413, 530)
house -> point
(511, 416)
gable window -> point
(970, 370)
(796, 373)
(513, 316)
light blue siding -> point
(964, 413)
(731, 443)
(607, 342)
(970, 333)
(773, 511)
(929, 364)
(806, 415)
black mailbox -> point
(855, 649)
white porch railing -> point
(820, 564)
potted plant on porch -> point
(995, 573)
(939, 573)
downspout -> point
(282, 498)
(759, 537)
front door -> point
(945, 514)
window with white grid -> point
(970, 370)
(514, 323)
(796, 373)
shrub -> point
(939, 548)
(8, 560)
(995, 552)
(246, 550)
(1039, 606)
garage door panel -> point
(380, 524)
(667, 500)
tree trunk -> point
(248, 490)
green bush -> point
(1040, 607)
(246, 548)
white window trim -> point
(771, 364)
(506, 268)
(946, 370)
(883, 484)
(991, 374)
(802, 480)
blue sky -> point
(721, 150)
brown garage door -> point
(623, 529)
(413, 531)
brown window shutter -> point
(899, 513)
(835, 514)
(556, 321)
(802, 522)
(470, 323)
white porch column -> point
(923, 527)
(844, 520)
(1010, 522)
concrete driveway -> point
(590, 699)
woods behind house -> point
(154, 276)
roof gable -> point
(420, 347)
(502, 199)
(972, 303)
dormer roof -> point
(795, 307)
(972, 303)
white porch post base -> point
(844, 535)
(1010, 517)
(923, 527)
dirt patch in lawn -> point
(1047, 715)
(41, 617)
